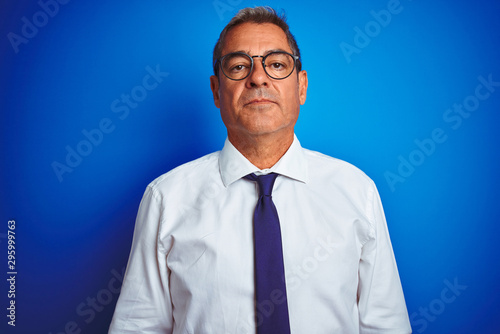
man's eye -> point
(238, 68)
(278, 66)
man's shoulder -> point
(189, 172)
(325, 166)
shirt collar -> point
(233, 165)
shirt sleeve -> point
(144, 305)
(381, 303)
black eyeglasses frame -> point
(221, 59)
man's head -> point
(264, 102)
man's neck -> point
(263, 151)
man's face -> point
(258, 105)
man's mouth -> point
(259, 101)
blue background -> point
(73, 233)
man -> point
(263, 236)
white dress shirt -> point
(191, 267)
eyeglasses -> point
(277, 65)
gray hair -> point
(256, 15)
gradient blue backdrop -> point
(74, 232)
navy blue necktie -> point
(270, 289)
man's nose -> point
(258, 77)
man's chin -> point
(263, 130)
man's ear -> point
(302, 87)
(214, 85)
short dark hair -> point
(258, 15)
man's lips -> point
(260, 101)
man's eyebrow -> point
(264, 54)
(273, 50)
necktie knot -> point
(265, 182)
